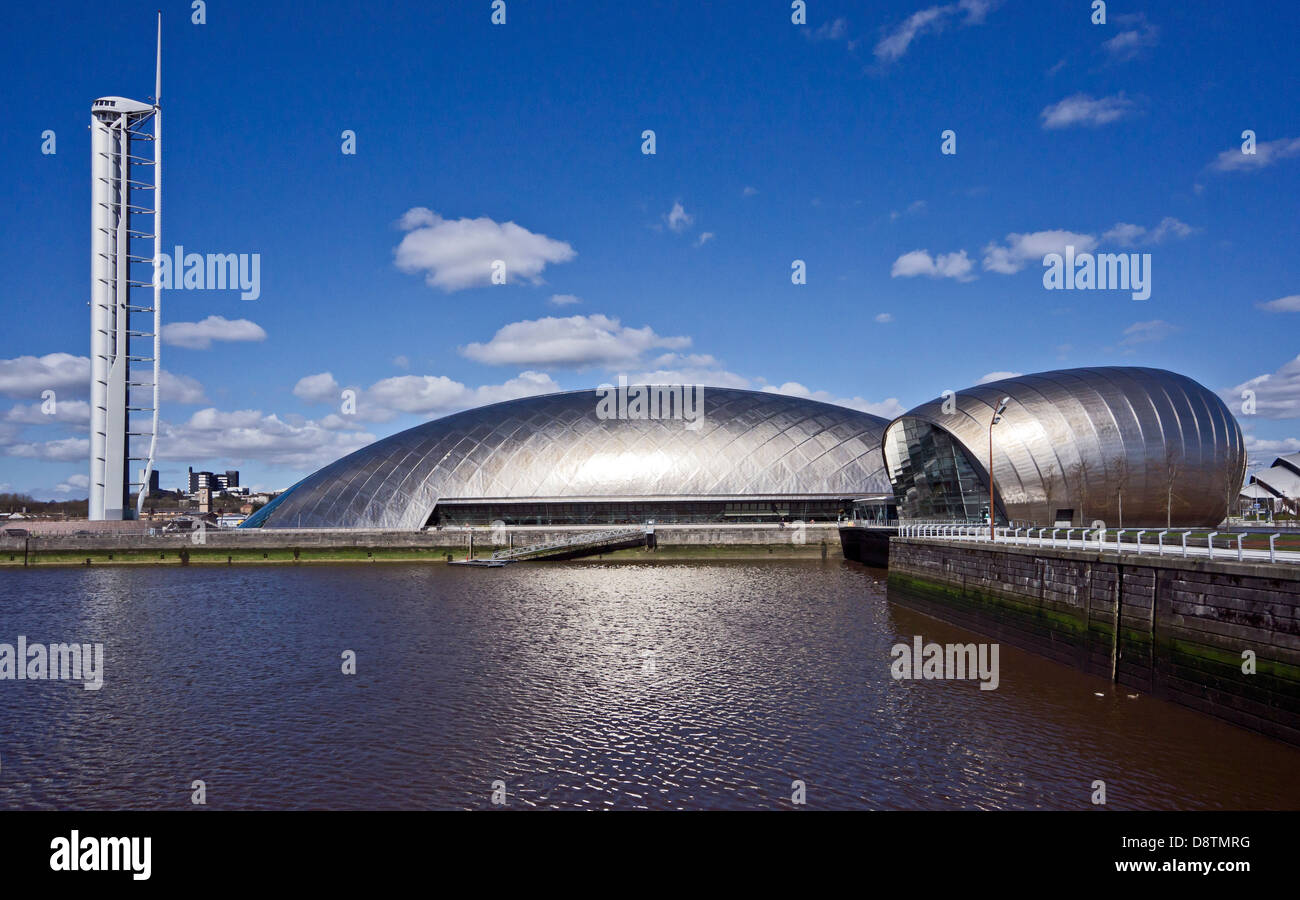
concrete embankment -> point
(1217, 636)
(283, 546)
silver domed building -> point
(1127, 446)
(573, 458)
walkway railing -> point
(1231, 545)
(573, 542)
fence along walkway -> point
(1097, 540)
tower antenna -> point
(157, 270)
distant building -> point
(1276, 488)
(212, 481)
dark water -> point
(763, 673)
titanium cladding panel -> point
(1094, 440)
(556, 447)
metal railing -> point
(572, 542)
(1096, 539)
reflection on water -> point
(578, 685)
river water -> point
(570, 685)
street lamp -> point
(997, 417)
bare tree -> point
(1172, 466)
(1234, 478)
(1051, 481)
(1119, 479)
(1079, 475)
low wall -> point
(1172, 627)
(248, 545)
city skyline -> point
(774, 143)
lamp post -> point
(997, 417)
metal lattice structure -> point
(556, 447)
(1126, 445)
(125, 304)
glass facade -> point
(701, 512)
(934, 477)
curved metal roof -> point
(556, 447)
(1082, 438)
(1283, 477)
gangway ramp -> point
(576, 545)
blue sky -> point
(774, 142)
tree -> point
(1234, 475)
(1119, 478)
(1079, 475)
(1172, 464)
(1051, 481)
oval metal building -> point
(577, 458)
(1124, 445)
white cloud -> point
(1282, 304)
(704, 238)
(1277, 395)
(916, 207)
(678, 218)
(884, 318)
(1147, 332)
(834, 30)
(74, 482)
(564, 299)
(425, 394)
(417, 394)
(887, 409)
(29, 376)
(946, 265)
(458, 254)
(749, 191)
(932, 19)
(401, 362)
(63, 450)
(576, 341)
(1083, 110)
(238, 436)
(320, 388)
(689, 368)
(65, 412)
(1263, 452)
(1129, 43)
(1019, 249)
(200, 335)
(998, 376)
(1266, 154)
(1124, 233)
(1127, 234)
(179, 388)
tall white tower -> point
(125, 213)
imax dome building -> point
(1124, 445)
(1127, 446)
(588, 458)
